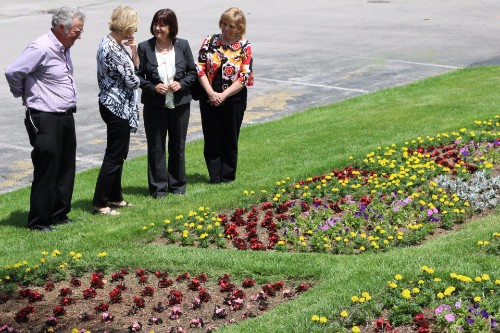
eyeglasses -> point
(77, 32)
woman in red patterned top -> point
(224, 70)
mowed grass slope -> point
(304, 144)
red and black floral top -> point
(235, 60)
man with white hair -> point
(43, 77)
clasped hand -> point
(163, 89)
(216, 99)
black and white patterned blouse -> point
(117, 81)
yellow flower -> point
(485, 277)
(440, 295)
(415, 290)
(477, 299)
(354, 299)
(344, 314)
(323, 319)
(355, 329)
(398, 277)
(406, 294)
(315, 318)
(102, 254)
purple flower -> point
(458, 304)
(469, 320)
(494, 323)
(439, 309)
(485, 314)
(449, 317)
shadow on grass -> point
(16, 218)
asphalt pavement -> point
(306, 54)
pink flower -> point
(449, 317)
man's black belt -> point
(67, 112)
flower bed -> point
(429, 302)
(140, 301)
(391, 199)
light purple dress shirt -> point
(43, 74)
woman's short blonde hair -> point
(234, 15)
(124, 20)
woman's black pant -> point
(108, 187)
(158, 122)
(221, 129)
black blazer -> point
(185, 72)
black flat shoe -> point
(44, 228)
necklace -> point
(163, 49)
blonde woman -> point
(117, 104)
(224, 71)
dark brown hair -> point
(167, 17)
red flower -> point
(63, 292)
(59, 311)
(161, 275)
(182, 277)
(248, 283)
(102, 307)
(139, 302)
(175, 297)
(121, 286)
(22, 315)
(165, 283)
(66, 301)
(195, 285)
(143, 279)
(49, 286)
(96, 281)
(148, 291)
(302, 287)
(204, 295)
(202, 278)
(228, 71)
(117, 277)
(140, 272)
(75, 282)
(115, 295)
(35, 296)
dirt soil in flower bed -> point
(143, 306)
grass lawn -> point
(304, 144)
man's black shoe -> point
(41, 228)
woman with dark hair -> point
(166, 71)
(224, 71)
